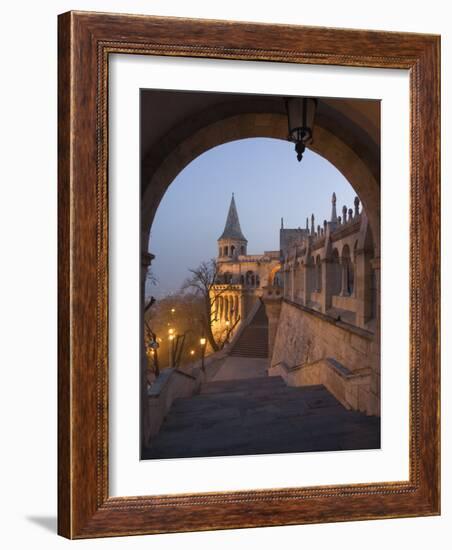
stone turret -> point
(232, 243)
(333, 209)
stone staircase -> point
(253, 342)
(261, 415)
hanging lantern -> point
(300, 115)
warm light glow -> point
(192, 352)
(171, 336)
(173, 310)
(227, 323)
(171, 331)
(203, 341)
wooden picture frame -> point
(85, 508)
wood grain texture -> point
(85, 42)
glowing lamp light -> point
(203, 341)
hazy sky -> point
(268, 183)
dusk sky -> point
(268, 183)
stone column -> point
(216, 308)
(307, 276)
(301, 282)
(296, 283)
(327, 284)
(272, 298)
(362, 287)
(292, 284)
(374, 406)
(242, 307)
(146, 259)
(226, 309)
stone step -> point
(253, 342)
(261, 415)
(252, 384)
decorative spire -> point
(350, 214)
(232, 228)
(356, 205)
(282, 223)
(312, 224)
(333, 209)
(344, 214)
(307, 225)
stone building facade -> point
(321, 295)
(324, 324)
(241, 277)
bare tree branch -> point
(204, 282)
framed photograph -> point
(248, 275)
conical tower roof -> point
(232, 228)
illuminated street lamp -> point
(300, 116)
(203, 343)
(171, 347)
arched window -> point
(249, 278)
(242, 280)
(226, 253)
(242, 250)
(258, 281)
(232, 250)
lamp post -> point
(203, 343)
(171, 346)
(300, 116)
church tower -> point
(232, 242)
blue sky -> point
(268, 183)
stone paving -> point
(260, 415)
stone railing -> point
(351, 389)
(174, 383)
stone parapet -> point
(310, 338)
(272, 298)
(351, 389)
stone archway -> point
(346, 137)
(361, 174)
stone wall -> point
(304, 337)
